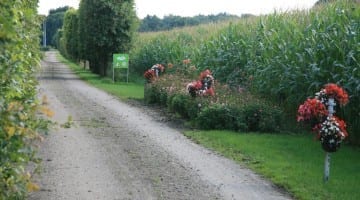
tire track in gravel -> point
(116, 151)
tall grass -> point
(170, 46)
(283, 56)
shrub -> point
(151, 94)
(178, 103)
(227, 110)
(163, 96)
(195, 105)
(217, 117)
(261, 117)
(250, 117)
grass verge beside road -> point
(294, 162)
(122, 90)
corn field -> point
(285, 57)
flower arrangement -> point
(312, 108)
(203, 86)
(332, 90)
(331, 130)
(153, 73)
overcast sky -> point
(161, 8)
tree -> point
(153, 23)
(70, 34)
(172, 21)
(105, 27)
(54, 21)
(150, 23)
(320, 2)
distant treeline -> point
(54, 21)
(154, 23)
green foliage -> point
(60, 40)
(227, 110)
(218, 117)
(151, 94)
(54, 21)
(179, 103)
(153, 23)
(168, 47)
(160, 50)
(321, 2)
(19, 118)
(284, 57)
(70, 35)
(105, 27)
(261, 117)
(257, 117)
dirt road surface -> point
(116, 150)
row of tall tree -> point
(154, 23)
(53, 22)
(97, 30)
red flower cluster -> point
(342, 125)
(153, 73)
(338, 93)
(203, 86)
(312, 108)
(186, 61)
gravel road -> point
(116, 150)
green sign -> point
(121, 61)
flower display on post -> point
(338, 93)
(154, 72)
(331, 130)
(203, 86)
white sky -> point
(195, 7)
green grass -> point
(293, 162)
(122, 90)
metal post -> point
(127, 75)
(113, 70)
(44, 33)
(327, 167)
(331, 104)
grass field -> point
(294, 162)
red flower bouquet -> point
(331, 130)
(312, 108)
(332, 90)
